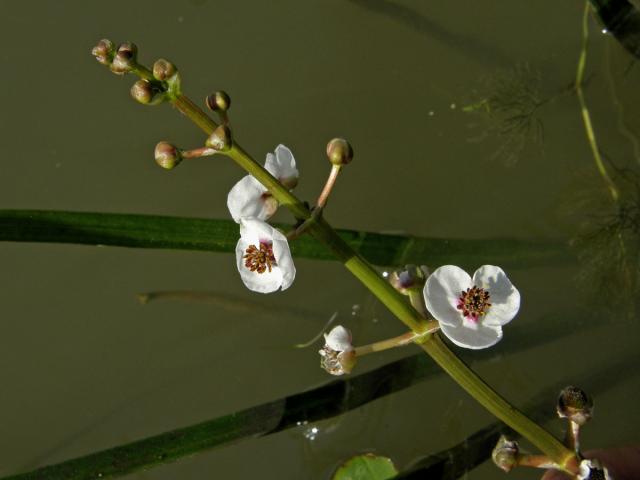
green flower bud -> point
(219, 100)
(146, 93)
(125, 58)
(505, 454)
(167, 155)
(164, 69)
(220, 139)
(411, 277)
(104, 51)
(575, 404)
(339, 151)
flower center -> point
(474, 302)
(329, 361)
(260, 259)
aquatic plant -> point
(458, 302)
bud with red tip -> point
(168, 156)
(218, 101)
(104, 51)
(220, 139)
(575, 404)
(339, 151)
(125, 58)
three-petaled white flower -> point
(249, 198)
(338, 355)
(263, 257)
(471, 311)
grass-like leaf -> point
(152, 231)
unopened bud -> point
(411, 277)
(145, 93)
(505, 454)
(163, 69)
(125, 58)
(220, 139)
(218, 101)
(104, 51)
(339, 151)
(167, 155)
(575, 404)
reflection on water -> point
(509, 102)
(473, 48)
(609, 249)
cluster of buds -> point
(158, 84)
(154, 86)
(577, 407)
(168, 156)
(162, 84)
(120, 60)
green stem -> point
(144, 73)
(498, 406)
(392, 299)
(242, 158)
(328, 187)
(399, 341)
(586, 117)
(536, 461)
(417, 301)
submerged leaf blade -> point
(215, 235)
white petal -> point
(255, 231)
(482, 337)
(265, 282)
(442, 291)
(283, 258)
(338, 339)
(282, 165)
(247, 199)
(504, 297)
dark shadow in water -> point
(471, 47)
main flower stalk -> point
(432, 344)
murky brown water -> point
(83, 366)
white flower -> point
(263, 257)
(471, 311)
(249, 198)
(338, 355)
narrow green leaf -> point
(366, 467)
(152, 231)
